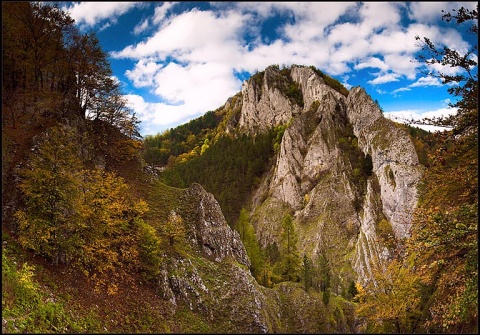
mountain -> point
(345, 174)
(342, 168)
(265, 215)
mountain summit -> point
(348, 174)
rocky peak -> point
(212, 233)
(264, 104)
(320, 173)
(395, 161)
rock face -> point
(212, 279)
(211, 283)
(337, 208)
(395, 161)
(264, 104)
(346, 174)
(212, 232)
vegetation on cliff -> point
(92, 243)
(436, 269)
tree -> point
(36, 37)
(249, 239)
(352, 290)
(463, 85)
(445, 226)
(307, 272)
(51, 184)
(290, 259)
(150, 249)
(390, 302)
(78, 216)
(174, 228)
(324, 272)
(111, 218)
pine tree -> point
(307, 272)
(290, 259)
(254, 252)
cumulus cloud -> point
(407, 116)
(190, 58)
(186, 91)
(431, 11)
(89, 14)
(384, 78)
(161, 12)
(372, 62)
(426, 81)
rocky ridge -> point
(347, 175)
(315, 174)
(212, 281)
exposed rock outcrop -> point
(264, 104)
(318, 176)
(347, 175)
(214, 283)
(212, 232)
(395, 161)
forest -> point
(84, 222)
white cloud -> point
(186, 91)
(431, 11)
(142, 26)
(161, 12)
(379, 14)
(372, 62)
(401, 64)
(427, 11)
(194, 82)
(143, 73)
(92, 13)
(345, 82)
(189, 59)
(186, 33)
(401, 89)
(407, 116)
(384, 78)
(426, 81)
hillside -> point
(296, 207)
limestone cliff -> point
(317, 174)
(346, 174)
(209, 281)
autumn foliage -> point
(67, 128)
(432, 285)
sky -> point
(178, 60)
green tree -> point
(290, 259)
(352, 290)
(150, 249)
(254, 252)
(324, 272)
(445, 227)
(307, 272)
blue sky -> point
(178, 60)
